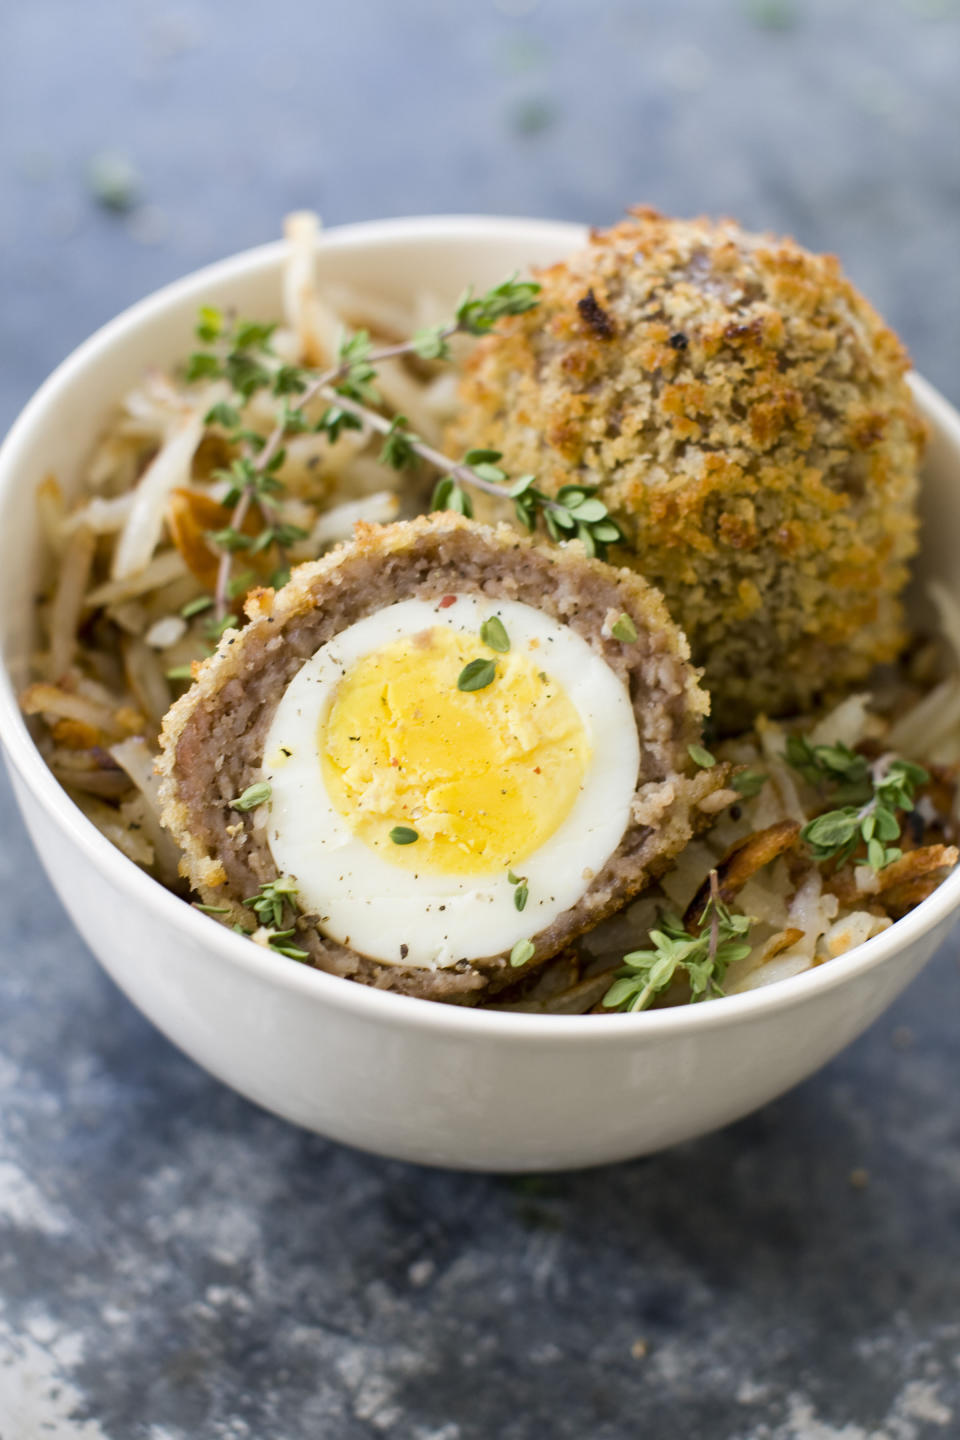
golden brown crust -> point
(744, 412)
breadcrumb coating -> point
(213, 737)
(744, 413)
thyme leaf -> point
(397, 450)
(224, 415)
(270, 899)
(748, 783)
(523, 951)
(279, 940)
(241, 353)
(209, 324)
(493, 632)
(196, 606)
(477, 675)
(521, 893)
(703, 957)
(871, 798)
(477, 315)
(254, 795)
(448, 495)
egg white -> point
(397, 916)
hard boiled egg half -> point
(447, 777)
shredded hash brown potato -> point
(125, 618)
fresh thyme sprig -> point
(279, 940)
(268, 905)
(270, 899)
(575, 513)
(243, 356)
(871, 796)
(521, 893)
(704, 957)
(838, 767)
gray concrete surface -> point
(175, 1265)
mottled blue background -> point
(174, 1265)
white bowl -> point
(404, 1077)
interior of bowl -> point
(58, 429)
(389, 259)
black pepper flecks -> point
(404, 951)
(678, 341)
(593, 314)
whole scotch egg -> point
(472, 747)
(745, 416)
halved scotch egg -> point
(467, 749)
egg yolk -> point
(484, 777)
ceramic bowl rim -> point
(361, 1001)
